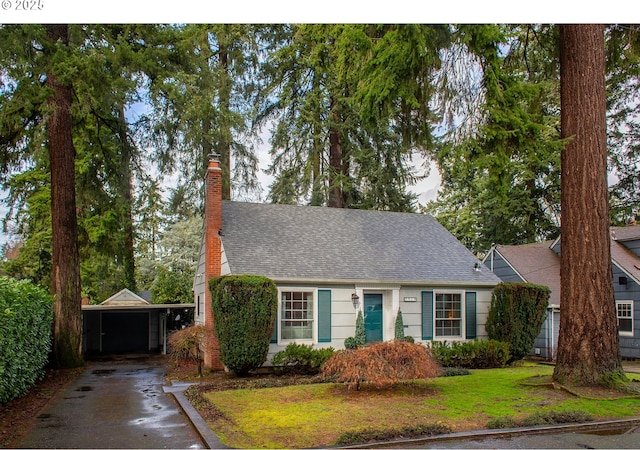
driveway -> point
(118, 404)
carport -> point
(127, 323)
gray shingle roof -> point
(287, 242)
(536, 263)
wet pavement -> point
(597, 436)
(118, 404)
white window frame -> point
(618, 317)
(462, 335)
(314, 319)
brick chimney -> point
(213, 253)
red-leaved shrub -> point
(381, 364)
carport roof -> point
(125, 299)
(102, 307)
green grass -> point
(317, 415)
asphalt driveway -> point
(119, 404)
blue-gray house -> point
(539, 263)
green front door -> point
(373, 317)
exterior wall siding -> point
(634, 246)
(198, 288)
(343, 313)
(629, 345)
(501, 268)
(546, 343)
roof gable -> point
(626, 260)
(627, 233)
(536, 263)
(125, 298)
(287, 242)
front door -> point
(373, 317)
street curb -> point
(206, 433)
(505, 433)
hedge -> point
(244, 313)
(476, 354)
(26, 320)
(516, 315)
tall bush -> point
(26, 319)
(244, 312)
(516, 315)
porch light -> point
(356, 300)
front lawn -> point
(317, 415)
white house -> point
(328, 263)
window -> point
(448, 315)
(296, 315)
(624, 314)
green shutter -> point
(324, 315)
(427, 315)
(470, 308)
(274, 336)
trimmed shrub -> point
(455, 372)
(301, 359)
(26, 319)
(361, 337)
(381, 364)
(398, 332)
(186, 344)
(477, 354)
(244, 313)
(516, 315)
(350, 343)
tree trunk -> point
(226, 137)
(125, 185)
(67, 333)
(588, 350)
(335, 160)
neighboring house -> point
(127, 323)
(539, 263)
(328, 263)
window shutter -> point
(427, 315)
(324, 315)
(274, 336)
(470, 315)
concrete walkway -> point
(120, 404)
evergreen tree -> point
(500, 184)
(201, 101)
(350, 106)
(588, 347)
(623, 129)
(67, 315)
